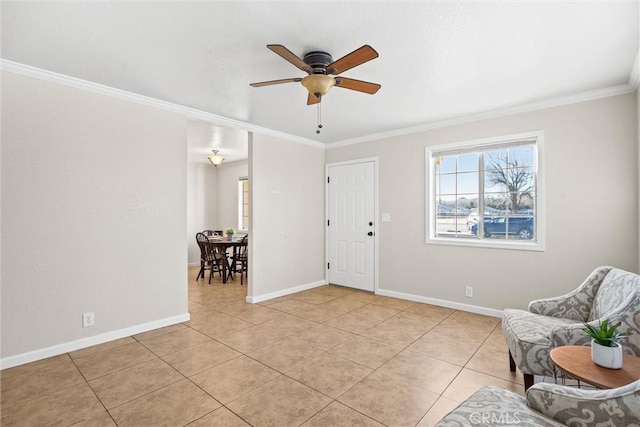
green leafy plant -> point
(230, 231)
(604, 334)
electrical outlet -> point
(468, 292)
(88, 319)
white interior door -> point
(352, 225)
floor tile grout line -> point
(373, 303)
(478, 349)
(208, 305)
(184, 377)
(317, 412)
(378, 368)
(93, 391)
(222, 405)
(33, 399)
(108, 410)
(467, 362)
(263, 364)
(406, 348)
(156, 356)
(333, 399)
(151, 391)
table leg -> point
(224, 268)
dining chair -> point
(210, 259)
(221, 258)
(240, 259)
(205, 263)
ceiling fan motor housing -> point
(318, 60)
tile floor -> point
(330, 356)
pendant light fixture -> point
(215, 158)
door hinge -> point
(328, 222)
(327, 266)
(328, 180)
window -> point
(243, 204)
(486, 192)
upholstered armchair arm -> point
(576, 304)
(626, 313)
(572, 406)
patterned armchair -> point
(548, 405)
(531, 335)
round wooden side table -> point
(576, 361)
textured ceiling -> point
(438, 60)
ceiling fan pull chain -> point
(319, 118)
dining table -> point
(223, 243)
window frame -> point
(241, 204)
(481, 144)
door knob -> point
(370, 233)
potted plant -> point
(605, 350)
(230, 232)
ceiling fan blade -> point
(358, 85)
(276, 82)
(290, 56)
(312, 99)
(355, 58)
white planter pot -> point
(608, 357)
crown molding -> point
(189, 113)
(634, 76)
(540, 105)
(194, 114)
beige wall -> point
(93, 218)
(202, 202)
(287, 219)
(591, 163)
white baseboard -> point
(259, 298)
(410, 297)
(32, 356)
(442, 303)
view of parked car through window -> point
(522, 227)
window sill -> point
(497, 244)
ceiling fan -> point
(321, 69)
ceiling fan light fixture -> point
(215, 158)
(318, 84)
